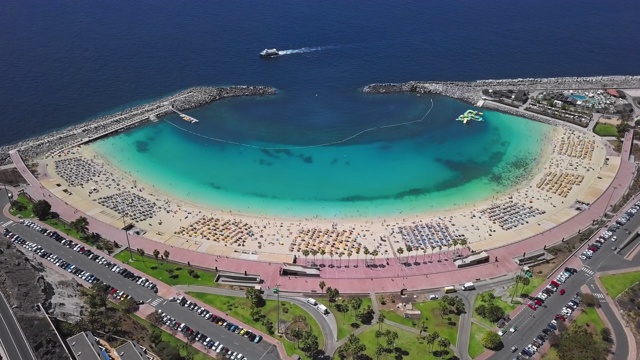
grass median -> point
(616, 284)
(168, 273)
(290, 314)
(475, 346)
(431, 318)
(347, 322)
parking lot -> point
(79, 260)
(556, 306)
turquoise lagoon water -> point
(432, 165)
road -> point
(263, 350)
(530, 323)
(12, 338)
(327, 323)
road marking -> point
(7, 223)
(587, 270)
(155, 302)
(599, 296)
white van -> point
(323, 309)
(468, 286)
(312, 301)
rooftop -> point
(84, 347)
(130, 351)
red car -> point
(555, 283)
(562, 291)
(538, 302)
(560, 317)
(532, 306)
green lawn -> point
(475, 347)
(497, 301)
(432, 319)
(158, 269)
(166, 337)
(412, 347)
(25, 214)
(64, 229)
(239, 308)
(602, 129)
(534, 282)
(551, 354)
(588, 316)
(344, 320)
(615, 284)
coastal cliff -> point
(103, 126)
(472, 91)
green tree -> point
(128, 306)
(167, 351)
(306, 253)
(155, 336)
(444, 344)
(156, 254)
(18, 206)
(141, 252)
(355, 303)
(579, 343)
(165, 255)
(322, 285)
(333, 294)
(494, 313)
(42, 209)
(154, 318)
(491, 340)
(81, 225)
(296, 333)
(254, 296)
(352, 349)
(309, 343)
(392, 336)
(400, 251)
(381, 319)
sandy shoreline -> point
(196, 227)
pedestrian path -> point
(600, 296)
(587, 270)
(7, 223)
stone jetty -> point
(120, 121)
(471, 92)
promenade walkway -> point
(391, 276)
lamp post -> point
(277, 292)
(126, 233)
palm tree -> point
(340, 255)
(415, 258)
(156, 254)
(366, 252)
(374, 253)
(433, 248)
(322, 252)
(409, 248)
(463, 243)
(140, 252)
(349, 253)
(314, 252)
(381, 319)
(449, 246)
(424, 254)
(322, 285)
(455, 243)
(81, 225)
(430, 339)
(165, 254)
(331, 256)
(439, 251)
(305, 253)
(444, 344)
(357, 253)
(400, 252)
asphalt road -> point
(11, 337)
(530, 323)
(263, 350)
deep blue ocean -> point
(66, 62)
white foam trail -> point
(305, 50)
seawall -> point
(105, 125)
(471, 92)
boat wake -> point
(305, 50)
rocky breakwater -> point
(78, 134)
(472, 91)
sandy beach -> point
(573, 166)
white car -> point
(614, 238)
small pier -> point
(184, 116)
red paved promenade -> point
(393, 277)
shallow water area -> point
(428, 166)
